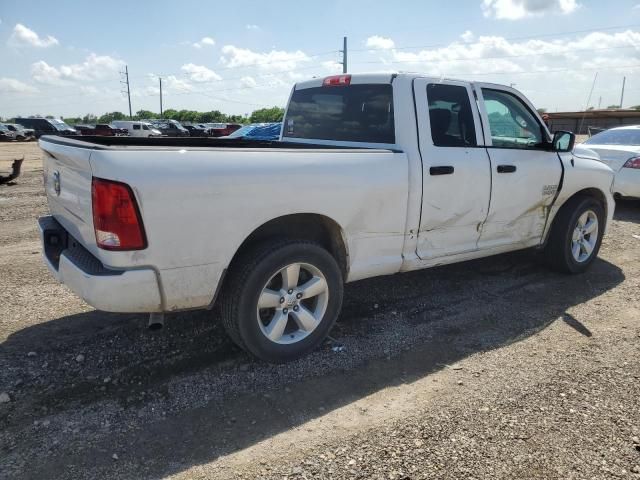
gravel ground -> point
(494, 368)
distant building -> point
(591, 121)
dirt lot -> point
(489, 369)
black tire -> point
(245, 281)
(558, 249)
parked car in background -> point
(46, 126)
(6, 134)
(268, 132)
(619, 148)
(221, 129)
(170, 128)
(137, 128)
(375, 174)
(84, 129)
(21, 134)
(196, 130)
(101, 130)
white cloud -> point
(204, 42)
(380, 43)
(200, 73)
(11, 85)
(492, 53)
(23, 36)
(95, 67)
(332, 66)
(252, 26)
(468, 36)
(175, 84)
(275, 60)
(248, 81)
(517, 9)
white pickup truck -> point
(374, 175)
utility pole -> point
(344, 54)
(128, 92)
(160, 78)
(599, 102)
(624, 79)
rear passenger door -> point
(525, 171)
(456, 172)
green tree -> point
(542, 110)
(635, 107)
(213, 116)
(110, 117)
(170, 114)
(613, 107)
(273, 114)
(144, 114)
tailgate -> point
(67, 183)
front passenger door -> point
(525, 172)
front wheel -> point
(281, 299)
(576, 235)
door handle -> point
(506, 168)
(442, 170)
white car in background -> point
(619, 148)
(137, 129)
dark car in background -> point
(46, 126)
(21, 134)
(197, 130)
(170, 128)
(102, 130)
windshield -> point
(60, 125)
(616, 137)
(355, 113)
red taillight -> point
(632, 163)
(116, 219)
(336, 81)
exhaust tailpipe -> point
(156, 321)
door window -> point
(511, 122)
(450, 116)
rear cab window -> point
(359, 113)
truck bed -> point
(105, 143)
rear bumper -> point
(103, 288)
(627, 182)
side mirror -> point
(563, 141)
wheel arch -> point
(302, 226)
(592, 192)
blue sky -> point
(64, 58)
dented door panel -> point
(456, 180)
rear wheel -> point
(281, 299)
(576, 235)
